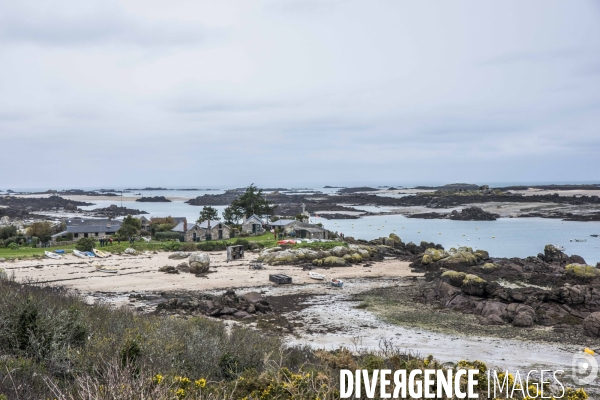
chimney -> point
(185, 224)
(244, 221)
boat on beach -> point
(315, 275)
(83, 254)
(53, 256)
(100, 253)
(102, 268)
(337, 282)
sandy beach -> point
(140, 273)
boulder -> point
(552, 254)
(130, 251)
(435, 254)
(253, 297)
(481, 254)
(591, 325)
(460, 259)
(493, 312)
(179, 255)
(473, 285)
(521, 314)
(241, 314)
(395, 238)
(339, 251)
(199, 263)
(488, 267)
(582, 270)
(183, 267)
(334, 262)
(2, 259)
(228, 311)
(454, 278)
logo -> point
(584, 367)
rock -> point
(241, 314)
(582, 270)
(251, 309)
(334, 262)
(2, 259)
(205, 306)
(183, 267)
(435, 254)
(460, 259)
(262, 306)
(228, 311)
(493, 312)
(179, 255)
(521, 314)
(169, 269)
(473, 285)
(591, 324)
(472, 214)
(339, 251)
(487, 267)
(552, 254)
(253, 297)
(395, 238)
(356, 258)
(130, 251)
(481, 254)
(454, 278)
(199, 263)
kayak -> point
(90, 254)
(59, 251)
(316, 276)
(82, 254)
(53, 256)
(101, 254)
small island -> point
(155, 199)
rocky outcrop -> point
(199, 263)
(179, 255)
(227, 306)
(155, 199)
(591, 325)
(130, 251)
(473, 214)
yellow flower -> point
(180, 393)
(200, 383)
(158, 378)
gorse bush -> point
(85, 244)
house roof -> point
(282, 222)
(213, 223)
(308, 227)
(179, 227)
(254, 217)
(92, 225)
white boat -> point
(53, 256)
(316, 276)
(581, 240)
(559, 247)
(81, 254)
(337, 282)
(100, 253)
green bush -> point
(167, 235)
(188, 247)
(85, 244)
(171, 246)
(13, 246)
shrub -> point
(8, 231)
(13, 246)
(171, 246)
(188, 247)
(167, 235)
(212, 246)
(85, 244)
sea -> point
(505, 237)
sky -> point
(292, 92)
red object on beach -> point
(286, 242)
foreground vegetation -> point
(53, 345)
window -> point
(96, 233)
(76, 235)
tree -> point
(8, 231)
(85, 244)
(41, 230)
(253, 201)
(208, 213)
(130, 227)
(233, 214)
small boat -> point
(90, 254)
(315, 275)
(581, 240)
(100, 253)
(594, 235)
(559, 247)
(337, 282)
(102, 268)
(59, 251)
(82, 254)
(53, 256)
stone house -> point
(94, 228)
(253, 225)
(200, 232)
(304, 230)
(144, 223)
